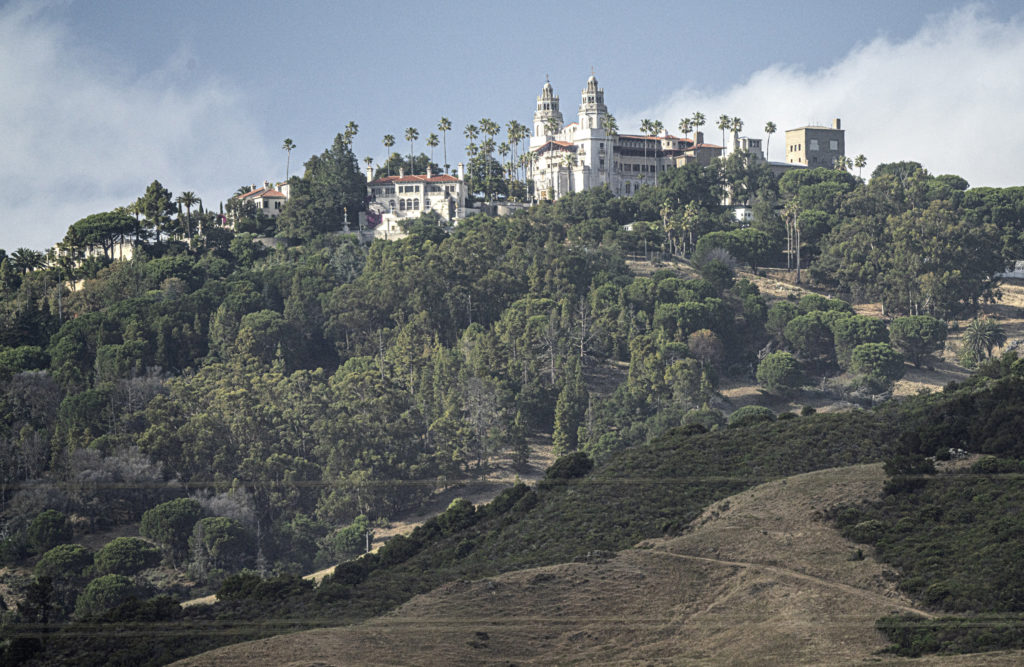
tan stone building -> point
(815, 145)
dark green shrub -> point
(779, 373)
(751, 414)
(48, 529)
(104, 594)
(127, 556)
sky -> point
(101, 97)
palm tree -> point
(351, 130)
(791, 216)
(981, 336)
(698, 120)
(611, 126)
(411, 135)
(685, 125)
(769, 129)
(843, 163)
(445, 126)
(724, 123)
(389, 142)
(288, 146)
(26, 259)
(188, 200)
(551, 126)
(471, 133)
(645, 129)
(432, 142)
(657, 129)
(860, 162)
(569, 160)
(368, 160)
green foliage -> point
(570, 466)
(48, 529)
(878, 362)
(64, 560)
(849, 332)
(170, 524)
(810, 337)
(220, 543)
(127, 556)
(751, 414)
(331, 184)
(917, 337)
(980, 337)
(779, 373)
(103, 594)
(348, 542)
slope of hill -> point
(759, 578)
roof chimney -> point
(429, 172)
(461, 172)
(836, 125)
(401, 172)
(698, 138)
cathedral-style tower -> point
(592, 108)
(547, 109)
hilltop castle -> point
(588, 152)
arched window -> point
(416, 204)
(401, 204)
(392, 202)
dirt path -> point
(785, 572)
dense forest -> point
(255, 399)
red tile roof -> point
(415, 178)
(262, 192)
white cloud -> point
(83, 136)
(949, 97)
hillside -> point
(760, 577)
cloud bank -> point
(83, 136)
(949, 97)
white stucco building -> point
(391, 199)
(584, 154)
(268, 199)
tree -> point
(432, 142)
(878, 364)
(348, 542)
(332, 186)
(64, 561)
(979, 339)
(288, 146)
(220, 543)
(411, 135)
(657, 129)
(779, 373)
(751, 414)
(685, 125)
(860, 162)
(389, 142)
(127, 556)
(917, 336)
(170, 524)
(445, 127)
(698, 120)
(769, 129)
(724, 123)
(188, 200)
(48, 529)
(854, 330)
(646, 126)
(157, 205)
(104, 594)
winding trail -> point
(784, 572)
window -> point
(814, 144)
(401, 204)
(833, 145)
(416, 204)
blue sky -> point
(103, 97)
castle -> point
(589, 152)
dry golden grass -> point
(760, 579)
